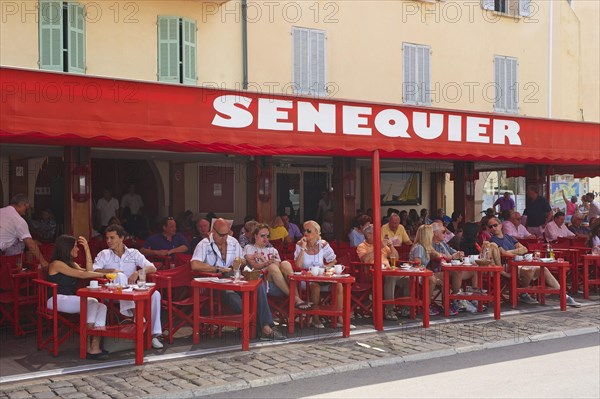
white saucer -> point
(141, 288)
(150, 284)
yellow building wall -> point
(364, 47)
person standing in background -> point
(107, 208)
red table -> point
(244, 321)
(572, 255)
(412, 299)
(493, 294)
(587, 260)
(128, 331)
(323, 310)
(540, 288)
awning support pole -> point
(377, 277)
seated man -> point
(448, 253)
(395, 232)
(167, 243)
(216, 254)
(505, 245)
(365, 252)
(292, 228)
(557, 228)
(356, 235)
(124, 261)
(202, 232)
(514, 228)
(14, 232)
(577, 227)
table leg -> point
(346, 309)
(139, 332)
(82, 327)
(196, 316)
(292, 308)
(563, 288)
(542, 283)
(446, 295)
(496, 276)
(425, 302)
(412, 293)
(586, 278)
(246, 321)
(148, 310)
(514, 277)
(575, 273)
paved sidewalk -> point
(270, 364)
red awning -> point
(63, 109)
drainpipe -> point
(550, 44)
(245, 44)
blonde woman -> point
(261, 256)
(278, 230)
(421, 252)
(312, 251)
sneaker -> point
(156, 344)
(476, 303)
(390, 315)
(460, 306)
(452, 311)
(572, 302)
(469, 307)
(526, 298)
(433, 311)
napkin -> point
(128, 289)
(247, 269)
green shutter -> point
(51, 35)
(76, 38)
(168, 49)
(190, 73)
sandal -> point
(390, 315)
(317, 325)
(303, 306)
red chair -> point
(360, 302)
(176, 296)
(182, 259)
(62, 325)
(17, 294)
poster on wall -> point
(216, 189)
(571, 188)
(400, 188)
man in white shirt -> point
(107, 208)
(132, 220)
(594, 207)
(125, 261)
(14, 232)
(514, 228)
(557, 228)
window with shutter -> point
(51, 35)
(309, 61)
(506, 97)
(416, 74)
(76, 38)
(177, 52)
(61, 36)
(508, 7)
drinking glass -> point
(393, 261)
(141, 277)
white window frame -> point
(416, 74)
(513, 8)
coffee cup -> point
(93, 284)
(467, 260)
(339, 269)
(314, 270)
(321, 271)
(518, 258)
(528, 257)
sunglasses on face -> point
(221, 234)
(491, 226)
(265, 235)
(307, 231)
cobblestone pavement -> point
(197, 376)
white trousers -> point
(127, 307)
(96, 311)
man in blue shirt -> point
(510, 247)
(167, 243)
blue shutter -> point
(317, 81)
(189, 58)
(76, 38)
(168, 49)
(51, 35)
(300, 60)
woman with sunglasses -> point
(260, 255)
(311, 251)
(65, 272)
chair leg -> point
(55, 337)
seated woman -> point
(260, 256)
(63, 271)
(422, 253)
(278, 230)
(365, 252)
(311, 251)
